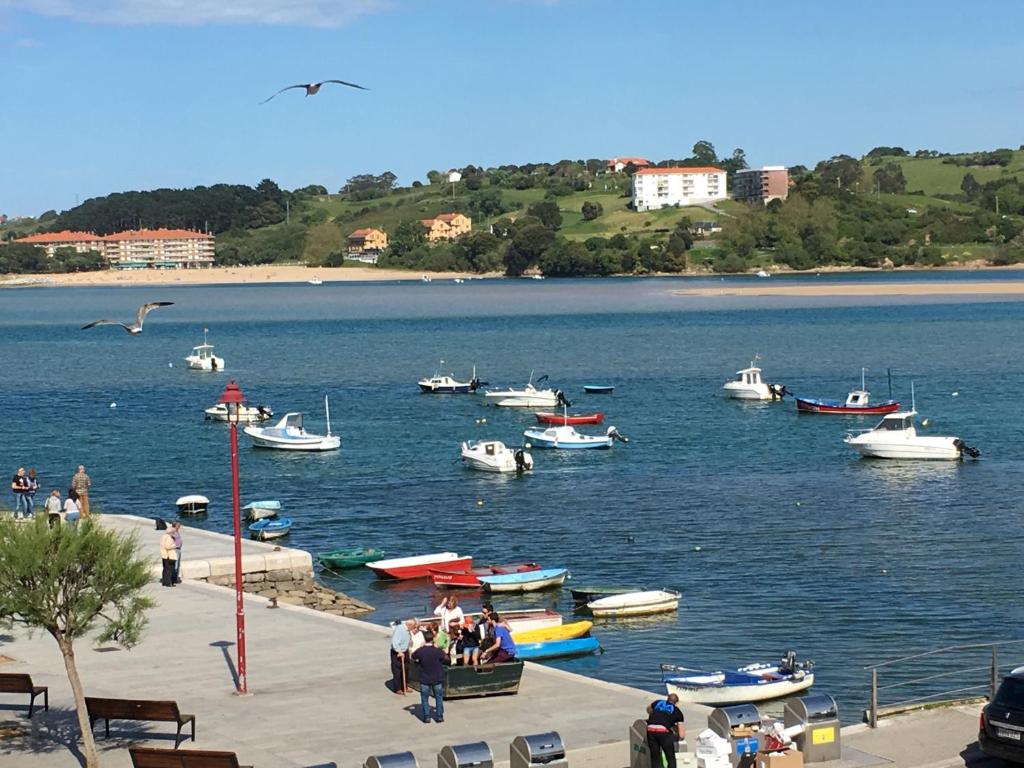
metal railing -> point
(915, 677)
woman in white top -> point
(449, 611)
(72, 507)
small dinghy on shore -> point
(270, 528)
(755, 682)
(635, 603)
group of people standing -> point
(25, 485)
(170, 555)
(453, 639)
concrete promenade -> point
(318, 695)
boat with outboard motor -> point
(744, 685)
(567, 437)
(527, 397)
(247, 414)
(858, 403)
(449, 385)
(202, 357)
(748, 385)
(289, 434)
(895, 437)
(495, 456)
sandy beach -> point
(930, 288)
(291, 273)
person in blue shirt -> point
(504, 647)
(401, 639)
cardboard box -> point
(713, 762)
(791, 758)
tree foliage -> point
(368, 186)
(64, 581)
(547, 212)
(591, 210)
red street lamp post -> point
(233, 399)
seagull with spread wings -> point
(140, 317)
(312, 89)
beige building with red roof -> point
(446, 226)
(51, 241)
(655, 188)
(617, 164)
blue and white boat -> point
(449, 385)
(527, 581)
(258, 510)
(557, 649)
(270, 528)
(290, 435)
(755, 682)
(568, 437)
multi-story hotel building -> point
(655, 188)
(761, 184)
(135, 249)
(446, 226)
(51, 241)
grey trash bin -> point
(475, 755)
(395, 760)
(639, 755)
(819, 715)
(538, 749)
(731, 723)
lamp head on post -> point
(233, 398)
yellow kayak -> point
(547, 634)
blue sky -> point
(109, 95)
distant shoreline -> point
(294, 273)
(929, 288)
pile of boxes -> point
(712, 750)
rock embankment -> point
(296, 587)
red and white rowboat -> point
(447, 577)
(419, 567)
(562, 420)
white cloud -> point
(299, 13)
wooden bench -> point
(134, 709)
(148, 757)
(20, 683)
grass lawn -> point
(933, 177)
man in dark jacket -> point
(429, 661)
(664, 717)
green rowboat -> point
(340, 559)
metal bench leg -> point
(107, 721)
(46, 699)
(177, 737)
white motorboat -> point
(748, 385)
(290, 435)
(636, 603)
(315, 281)
(527, 397)
(754, 682)
(567, 437)
(495, 456)
(449, 385)
(895, 437)
(247, 414)
(203, 359)
(192, 504)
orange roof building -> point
(446, 226)
(366, 244)
(51, 241)
(159, 249)
(617, 164)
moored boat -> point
(258, 510)
(527, 397)
(586, 594)
(895, 437)
(557, 649)
(247, 414)
(495, 456)
(470, 579)
(635, 603)
(270, 528)
(752, 683)
(192, 504)
(598, 389)
(289, 434)
(448, 385)
(530, 581)
(568, 438)
(418, 567)
(340, 559)
(545, 417)
(748, 385)
(203, 359)
(547, 634)
(524, 620)
(858, 403)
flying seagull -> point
(312, 89)
(140, 317)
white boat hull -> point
(267, 535)
(528, 401)
(739, 694)
(246, 414)
(935, 449)
(313, 443)
(207, 364)
(635, 604)
(747, 391)
(637, 610)
(501, 460)
(528, 586)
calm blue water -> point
(801, 544)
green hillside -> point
(933, 176)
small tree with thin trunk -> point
(66, 580)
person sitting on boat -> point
(504, 647)
(449, 611)
(664, 717)
(469, 641)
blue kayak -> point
(270, 528)
(555, 649)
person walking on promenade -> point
(504, 647)
(30, 494)
(81, 482)
(53, 508)
(664, 717)
(175, 531)
(168, 555)
(429, 662)
(401, 637)
(72, 507)
(19, 486)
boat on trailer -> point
(754, 682)
(858, 403)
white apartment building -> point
(655, 188)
